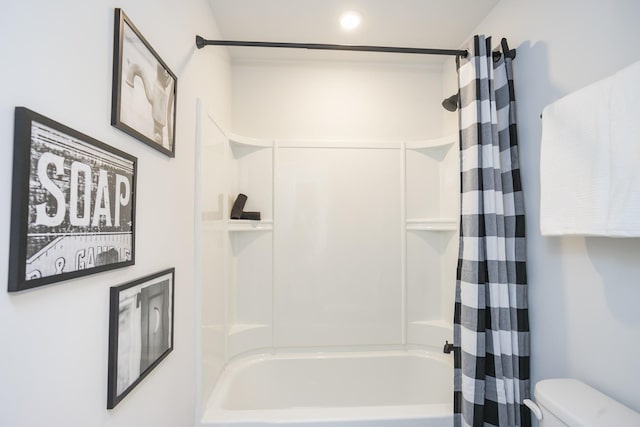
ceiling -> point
(412, 23)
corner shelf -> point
(237, 141)
(249, 225)
(436, 224)
(240, 328)
(248, 336)
(445, 142)
(433, 332)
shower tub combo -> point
(411, 388)
(304, 322)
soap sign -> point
(72, 204)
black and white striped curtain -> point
(491, 328)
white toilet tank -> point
(569, 402)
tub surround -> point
(354, 250)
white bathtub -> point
(356, 389)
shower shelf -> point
(432, 224)
(248, 336)
(237, 141)
(249, 225)
(433, 323)
(429, 331)
(446, 142)
(240, 328)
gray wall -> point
(583, 292)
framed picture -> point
(140, 331)
(72, 207)
(143, 102)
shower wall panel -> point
(210, 242)
(338, 247)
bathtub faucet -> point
(448, 348)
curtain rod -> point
(201, 42)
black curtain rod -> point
(201, 42)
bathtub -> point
(412, 388)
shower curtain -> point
(491, 329)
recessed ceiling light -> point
(350, 20)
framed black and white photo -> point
(140, 331)
(72, 206)
(144, 89)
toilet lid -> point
(577, 404)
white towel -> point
(590, 160)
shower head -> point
(451, 103)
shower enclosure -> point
(337, 303)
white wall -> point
(583, 292)
(57, 59)
(337, 100)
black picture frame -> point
(144, 89)
(60, 229)
(136, 308)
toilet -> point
(568, 402)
